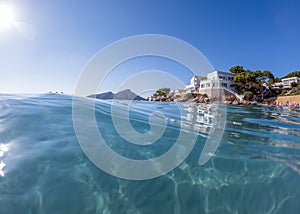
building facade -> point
(217, 79)
(286, 82)
(194, 84)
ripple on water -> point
(256, 168)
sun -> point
(7, 16)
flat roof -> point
(222, 72)
(290, 78)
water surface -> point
(256, 168)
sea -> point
(253, 166)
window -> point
(285, 82)
(222, 77)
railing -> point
(241, 97)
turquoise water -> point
(256, 168)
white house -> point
(286, 82)
(217, 79)
(277, 85)
(194, 84)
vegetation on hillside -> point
(249, 82)
(163, 91)
(252, 83)
(293, 74)
(294, 84)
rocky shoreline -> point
(199, 98)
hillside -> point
(292, 74)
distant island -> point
(126, 94)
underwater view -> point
(43, 169)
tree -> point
(188, 95)
(257, 75)
(293, 74)
(294, 84)
(277, 79)
(237, 69)
(267, 75)
(163, 91)
(251, 82)
(248, 95)
(271, 79)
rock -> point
(230, 98)
(244, 102)
(235, 102)
(253, 103)
(227, 102)
(206, 100)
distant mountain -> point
(127, 94)
(103, 96)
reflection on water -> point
(2, 165)
(43, 169)
(199, 116)
(3, 150)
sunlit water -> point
(256, 168)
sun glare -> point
(7, 16)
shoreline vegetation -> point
(256, 87)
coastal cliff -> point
(218, 95)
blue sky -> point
(52, 41)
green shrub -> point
(248, 95)
(188, 95)
(163, 91)
(294, 84)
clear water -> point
(256, 168)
